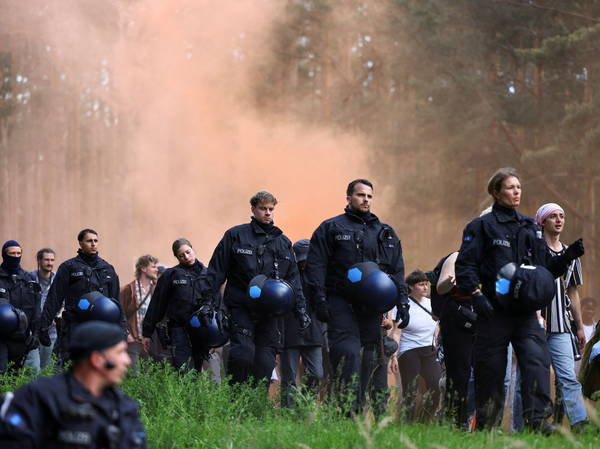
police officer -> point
(355, 236)
(20, 297)
(298, 343)
(177, 296)
(75, 277)
(245, 251)
(489, 243)
(82, 408)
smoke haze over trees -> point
(151, 120)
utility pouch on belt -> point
(162, 332)
(467, 318)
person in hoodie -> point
(87, 272)
(20, 297)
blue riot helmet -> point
(96, 306)
(212, 334)
(524, 288)
(9, 322)
(274, 296)
(370, 287)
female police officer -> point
(489, 243)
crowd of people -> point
(333, 315)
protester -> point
(82, 407)
(490, 243)
(417, 352)
(354, 329)
(41, 357)
(20, 298)
(563, 310)
(135, 299)
(76, 277)
(297, 343)
(589, 307)
(246, 252)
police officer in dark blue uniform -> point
(20, 297)
(355, 236)
(245, 251)
(75, 277)
(489, 243)
(82, 408)
(177, 296)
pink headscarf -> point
(544, 211)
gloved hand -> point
(44, 337)
(32, 342)
(322, 311)
(482, 305)
(402, 315)
(303, 318)
(575, 250)
(205, 312)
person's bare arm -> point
(447, 278)
(573, 293)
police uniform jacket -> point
(246, 251)
(349, 238)
(59, 412)
(76, 277)
(24, 293)
(177, 295)
(495, 239)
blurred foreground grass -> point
(190, 411)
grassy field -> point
(190, 411)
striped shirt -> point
(557, 314)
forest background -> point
(151, 120)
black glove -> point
(303, 318)
(575, 250)
(402, 315)
(44, 337)
(205, 313)
(482, 305)
(32, 342)
(322, 311)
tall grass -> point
(190, 411)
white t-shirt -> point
(420, 329)
(589, 330)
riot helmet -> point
(371, 288)
(274, 296)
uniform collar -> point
(20, 274)
(506, 214)
(275, 231)
(371, 217)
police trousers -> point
(253, 344)
(359, 368)
(529, 342)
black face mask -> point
(11, 264)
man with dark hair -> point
(40, 357)
(87, 272)
(20, 303)
(135, 298)
(490, 243)
(82, 407)
(245, 252)
(354, 331)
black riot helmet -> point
(213, 334)
(524, 288)
(274, 296)
(96, 306)
(371, 288)
(9, 321)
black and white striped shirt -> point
(556, 314)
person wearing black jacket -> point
(18, 288)
(87, 272)
(245, 251)
(355, 236)
(81, 408)
(489, 243)
(177, 295)
(298, 343)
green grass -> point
(190, 411)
